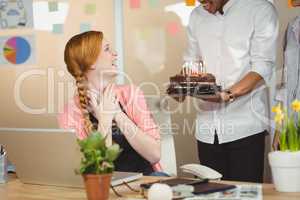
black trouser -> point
(240, 160)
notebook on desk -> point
(49, 157)
(200, 186)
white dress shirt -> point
(240, 41)
(291, 74)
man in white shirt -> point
(236, 40)
(289, 89)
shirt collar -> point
(228, 5)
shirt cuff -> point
(265, 70)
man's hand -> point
(179, 99)
(219, 97)
(176, 97)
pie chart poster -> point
(17, 50)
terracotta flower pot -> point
(97, 186)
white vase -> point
(285, 168)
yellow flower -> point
(278, 118)
(277, 109)
(296, 105)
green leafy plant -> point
(97, 157)
(288, 126)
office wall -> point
(41, 89)
(152, 33)
(154, 61)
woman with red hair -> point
(118, 112)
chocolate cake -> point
(196, 78)
(193, 85)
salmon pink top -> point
(134, 104)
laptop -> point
(49, 157)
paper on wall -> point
(44, 19)
(17, 50)
(16, 14)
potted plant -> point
(97, 166)
(285, 163)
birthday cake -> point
(193, 85)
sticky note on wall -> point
(190, 2)
(84, 27)
(135, 4)
(58, 28)
(52, 6)
(144, 34)
(90, 9)
(173, 28)
(153, 3)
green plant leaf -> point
(283, 144)
(113, 152)
(290, 131)
(95, 141)
(97, 158)
(82, 144)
